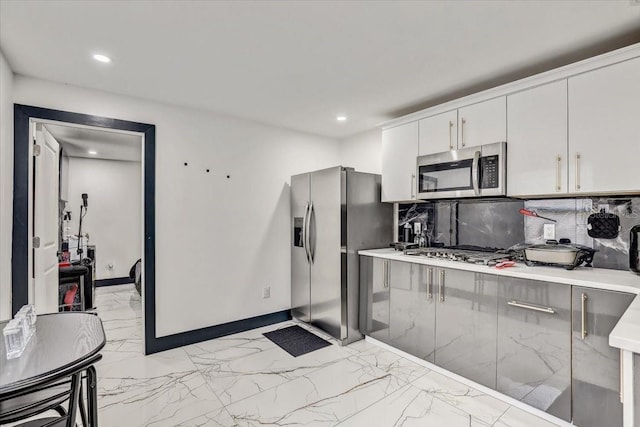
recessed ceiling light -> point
(101, 58)
(92, 152)
(341, 118)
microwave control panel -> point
(489, 172)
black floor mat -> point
(296, 340)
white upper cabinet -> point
(537, 141)
(439, 133)
(604, 129)
(573, 131)
(477, 124)
(482, 123)
(399, 153)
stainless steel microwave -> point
(470, 172)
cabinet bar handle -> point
(584, 299)
(429, 284)
(413, 185)
(558, 169)
(462, 122)
(450, 135)
(385, 281)
(578, 171)
(532, 307)
(441, 286)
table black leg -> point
(76, 380)
(83, 411)
(92, 396)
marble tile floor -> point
(246, 380)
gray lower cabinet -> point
(374, 298)
(412, 312)
(466, 317)
(534, 344)
(545, 344)
(596, 365)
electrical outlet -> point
(266, 292)
(549, 232)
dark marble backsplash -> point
(491, 223)
(498, 224)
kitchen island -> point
(542, 335)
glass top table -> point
(62, 341)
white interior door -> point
(45, 222)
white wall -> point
(6, 185)
(218, 240)
(363, 151)
(114, 215)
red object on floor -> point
(70, 296)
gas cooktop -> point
(470, 254)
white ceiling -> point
(299, 64)
(108, 145)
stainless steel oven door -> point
(447, 175)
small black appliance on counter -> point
(634, 250)
(402, 246)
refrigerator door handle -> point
(305, 232)
(311, 254)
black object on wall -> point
(634, 249)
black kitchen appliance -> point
(603, 225)
(634, 250)
(407, 233)
(403, 246)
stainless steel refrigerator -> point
(335, 213)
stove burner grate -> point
(470, 254)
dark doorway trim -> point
(20, 246)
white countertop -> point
(600, 278)
(625, 335)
